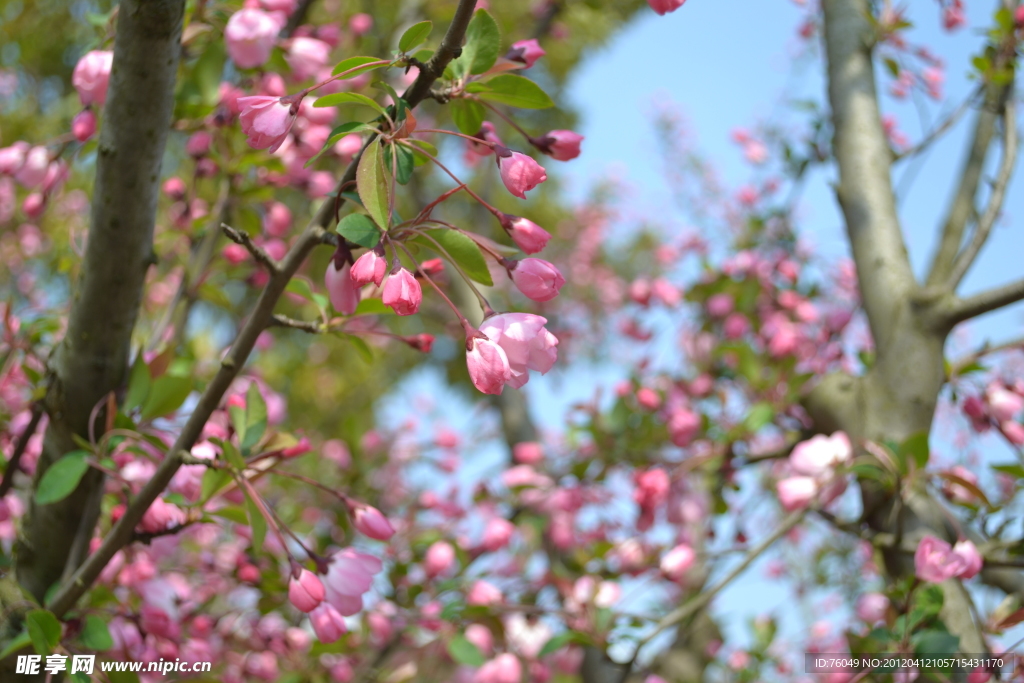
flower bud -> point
(266, 120)
(439, 559)
(537, 279)
(678, 561)
(371, 522)
(327, 623)
(519, 172)
(342, 292)
(488, 365)
(305, 591)
(83, 126)
(91, 77)
(402, 292)
(527, 235)
(561, 145)
(370, 267)
(198, 144)
(525, 52)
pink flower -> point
(648, 399)
(720, 305)
(157, 622)
(505, 668)
(328, 624)
(342, 292)
(663, 7)
(519, 172)
(402, 292)
(497, 534)
(735, 326)
(83, 126)
(526, 52)
(1003, 404)
(527, 235)
(953, 15)
(370, 522)
(305, 591)
(306, 56)
(1013, 431)
(91, 77)
(957, 492)
(439, 559)
(797, 492)
(488, 365)
(11, 158)
(161, 516)
(820, 455)
(370, 267)
(278, 219)
(250, 36)
(528, 452)
(871, 607)
(33, 170)
(973, 560)
(678, 561)
(935, 561)
(537, 279)
(561, 145)
(683, 425)
(349, 575)
(526, 343)
(486, 133)
(360, 24)
(481, 636)
(484, 593)
(266, 120)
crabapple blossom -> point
(266, 120)
(505, 668)
(526, 52)
(488, 365)
(527, 235)
(402, 292)
(528, 453)
(340, 289)
(497, 534)
(537, 279)
(525, 344)
(370, 522)
(519, 172)
(306, 56)
(561, 145)
(83, 126)
(872, 607)
(663, 7)
(250, 35)
(91, 77)
(936, 561)
(305, 591)
(678, 561)
(439, 559)
(328, 624)
(370, 267)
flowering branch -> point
(258, 253)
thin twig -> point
(312, 327)
(258, 253)
(19, 449)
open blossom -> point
(402, 292)
(537, 279)
(527, 235)
(935, 561)
(519, 172)
(663, 7)
(250, 35)
(305, 591)
(505, 668)
(561, 145)
(1003, 404)
(340, 289)
(678, 561)
(973, 560)
(820, 455)
(161, 516)
(526, 343)
(328, 624)
(266, 120)
(488, 365)
(306, 56)
(526, 52)
(797, 492)
(371, 522)
(370, 267)
(349, 575)
(91, 77)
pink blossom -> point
(663, 7)
(820, 455)
(683, 425)
(561, 145)
(871, 607)
(33, 170)
(648, 399)
(360, 24)
(11, 158)
(497, 534)
(537, 279)
(957, 492)
(439, 559)
(973, 560)
(370, 522)
(161, 516)
(157, 622)
(720, 305)
(519, 172)
(250, 35)
(488, 365)
(328, 624)
(797, 492)
(278, 219)
(198, 144)
(484, 593)
(953, 15)
(83, 126)
(481, 636)
(1003, 404)
(505, 668)
(340, 289)
(528, 452)
(666, 292)
(370, 267)
(349, 575)
(735, 326)
(266, 120)
(526, 343)
(91, 77)
(1013, 431)
(678, 561)
(935, 561)
(306, 591)
(402, 292)
(527, 235)
(306, 56)
(525, 52)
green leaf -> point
(935, 642)
(760, 414)
(232, 513)
(421, 148)
(416, 34)
(257, 522)
(255, 417)
(138, 385)
(62, 478)
(462, 251)
(467, 115)
(465, 652)
(213, 481)
(516, 91)
(373, 307)
(353, 63)
(208, 71)
(166, 395)
(95, 634)
(1013, 470)
(43, 629)
(23, 639)
(335, 99)
(373, 186)
(358, 228)
(232, 455)
(915, 449)
(300, 287)
(563, 639)
(483, 44)
(338, 133)
(406, 162)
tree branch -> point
(959, 310)
(449, 49)
(312, 327)
(258, 253)
(92, 359)
(123, 531)
(19, 449)
(966, 258)
(864, 158)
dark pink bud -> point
(421, 342)
(519, 172)
(174, 187)
(33, 205)
(526, 52)
(198, 144)
(305, 591)
(562, 145)
(402, 292)
(370, 267)
(370, 522)
(527, 235)
(663, 7)
(83, 126)
(537, 279)
(487, 133)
